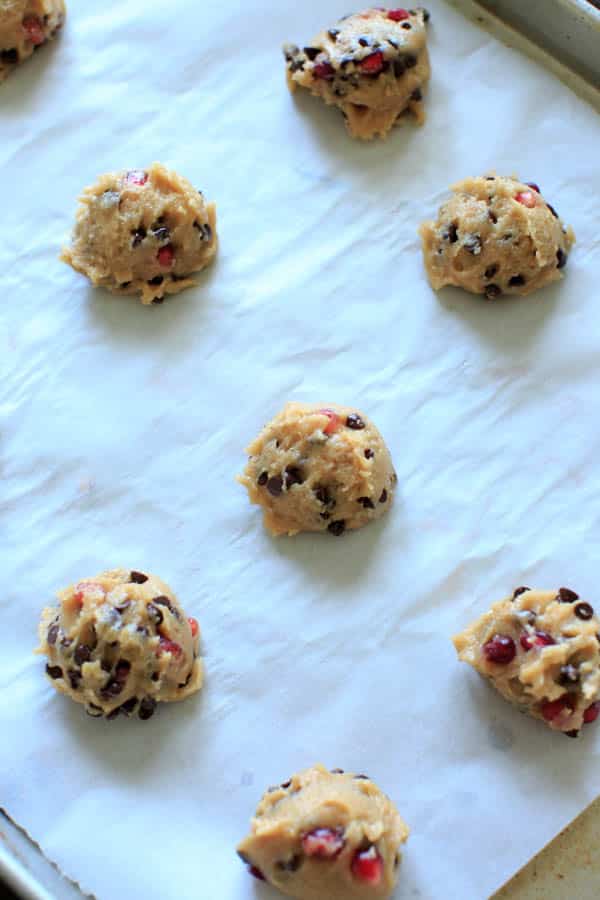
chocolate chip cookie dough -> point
(372, 65)
(319, 467)
(326, 836)
(144, 232)
(120, 643)
(24, 26)
(496, 235)
(541, 651)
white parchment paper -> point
(123, 428)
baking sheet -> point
(123, 427)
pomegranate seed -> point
(167, 646)
(501, 649)
(398, 15)
(34, 30)
(324, 843)
(367, 866)
(166, 256)
(136, 177)
(533, 186)
(324, 70)
(591, 713)
(193, 626)
(334, 420)
(527, 198)
(372, 64)
(540, 639)
(256, 873)
(551, 709)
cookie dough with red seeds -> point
(496, 235)
(143, 231)
(24, 26)
(326, 836)
(120, 643)
(541, 651)
(372, 65)
(319, 467)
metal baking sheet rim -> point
(15, 873)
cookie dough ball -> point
(496, 235)
(318, 467)
(24, 26)
(120, 642)
(372, 65)
(326, 836)
(541, 650)
(142, 232)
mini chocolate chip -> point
(568, 675)
(114, 714)
(112, 689)
(292, 475)
(54, 671)
(286, 784)
(426, 14)
(416, 95)
(323, 495)
(410, 61)
(129, 706)
(312, 52)
(337, 528)
(66, 642)
(450, 234)
(472, 244)
(82, 654)
(490, 271)
(275, 486)
(366, 502)
(187, 680)
(206, 232)
(138, 236)
(122, 670)
(384, 496)
(106, 666)
(333, 33)
(122, 605)
(362, 778)
(289, 865)
(364, 41)
(369, 454)
(138, 577)
(571, 734)
(161, 233)
(516, 280)
(552, 210)
(396, 860)
(393, 43)
(158, 300)
(158, 279)
(155, 614)
(94, 711)
(74, 678)
(566, 595)
(584, 611)
(493, 217)
(518, 591)
(355, 422)
(53, 633)
(337, 771)
(262, 479)
(492, 291)
(399, 67)
(125, 284)
(561, 259)
(325, 515)
(147, 707)
(406, 25)
(155, 676)
(9, 57)
(164, 601)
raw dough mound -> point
(24, 26)
(496, 235)
(318, 467)
(120, 642)
(326, 836)
(541, 650)
(142, 232)
(373, 65)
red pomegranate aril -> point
(367, 866)
(323, 843)
(540, 639)
(551, 709)
(34, 30)
(194, 626)
(500, 650)
(167, 646)
(137, 177)
(398, 15)
(324, 70)
(373, 64)
(166, 256)
(527, 198)
(591, 713)
(334, 420)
